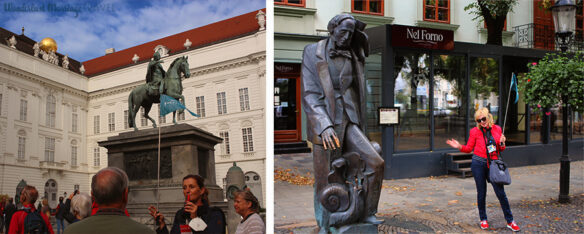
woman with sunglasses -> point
(486, 138)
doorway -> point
(287, 107)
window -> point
(143, 119)
(225, 146)
(437, 11)
(111, 121)
(51, 106)
(74, 118)
(96, 157)
(23, 109)
(247, 140)
(411, 95)
(181, 115)
(290, 2)
(221, 103)
(49, 149)
(96, 124)
(243, 99)
(73, 155)
(373, 7)
(126, 119)
(200, 101)
(21, 147)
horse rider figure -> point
(155, 76)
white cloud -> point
(120, 24)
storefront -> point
(438, 84)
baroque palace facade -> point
(54, 110)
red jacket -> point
(17, 222)
(476, 142)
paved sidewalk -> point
(445, 204)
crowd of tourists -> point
(104, 210)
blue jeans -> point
(480, 172)
(60, 226)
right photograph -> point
(395, 116)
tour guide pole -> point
(507, 106)
(158, 172)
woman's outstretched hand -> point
(454, 144)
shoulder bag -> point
(498, 170)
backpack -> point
(34, 222)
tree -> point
(557, 78)
(493, 13)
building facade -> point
(226, 87)
(436, 89)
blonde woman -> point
(485, 138)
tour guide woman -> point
(486, 137)
(196, 206)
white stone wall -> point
(224, 67)
(24, 77)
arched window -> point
(51, 109)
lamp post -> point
(564, 14)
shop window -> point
(411, 95)
(516, 113)
(535, 125)
(373, 7)
(449, 98)
(300, 3)
(437, 11)
(373, 95)
(556, 122)
(484, 87)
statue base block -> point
(356, 228)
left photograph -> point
(132, 117)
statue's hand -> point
(330, 139)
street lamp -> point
(564, 14)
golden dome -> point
(47, 44)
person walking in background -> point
(61, 209)
(196, 207)
(248, 206)
(9, 210)
(38, 222)
(486, 138)
(45, 209)
(109, 187)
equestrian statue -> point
(158, 82)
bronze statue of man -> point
(333, 96)
(155, 75)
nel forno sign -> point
(428, 38)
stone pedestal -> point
(184, 150)
(356, 228)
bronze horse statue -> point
(171, 86)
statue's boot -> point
(374, 179)
(372, 220)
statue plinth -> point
(184, 149)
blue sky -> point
(84, 29)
